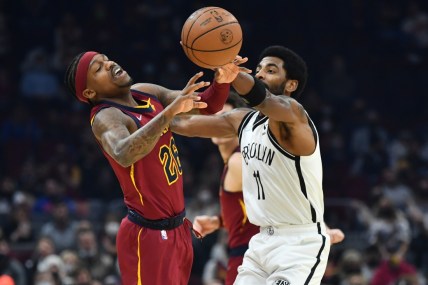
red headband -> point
(81, 74)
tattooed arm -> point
(126, 144)
(120, 138)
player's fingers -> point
(240, 60)
(244, 69)
(194, 78)
(192, 86)
(195, 86)
(199, 105)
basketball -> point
(211, 37)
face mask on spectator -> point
(111, 228)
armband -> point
(256, 95)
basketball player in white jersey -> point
(282, 171)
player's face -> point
(271, 72)
(221, 141)
(107, 78)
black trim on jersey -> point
(128, 113)
(127, 108)
(259, 120)
(278, 146)
(318, 256)
(244, 122)
(303, 187)
(145, 94)
(133, 117)
(314, 131)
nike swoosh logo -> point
(139, 117)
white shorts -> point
(286, 255)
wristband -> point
(215, 96)
(256, 95)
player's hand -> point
(228, 72)
(336, 235)
(188, 100)
(206, 224)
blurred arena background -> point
(60, 204)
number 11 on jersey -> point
(260, 189)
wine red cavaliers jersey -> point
(153, 185)
(234, 216)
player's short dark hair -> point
(294, 65)
(70, 74)
(235, 100)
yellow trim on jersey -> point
(92, 120)
(244, 212)
(131, 174)
(148, 105)
(139, 258)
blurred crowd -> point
(60, 204)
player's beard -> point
(128, 83)
(277, 89)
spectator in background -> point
(62, 229)
(71, 263)
(415, 26)
(44, 248)
(83, 277)
(51, 265)
(89, 251)
(368, 147)
(53, 193)
(390, 233)
(397, 192)
(12, 272)
(338, 85)
(20, 229)
(38, 81)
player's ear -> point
(89, 93)
(291, 85)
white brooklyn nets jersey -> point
(279, 188)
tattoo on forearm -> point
(146, 138)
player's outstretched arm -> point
(277, 108)
(222, 126)
(113, 129)
(215, 95)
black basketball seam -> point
(195, 57)
(187, 47)
(214, 50)
(222, 25)
(191, 26)
(190, 29)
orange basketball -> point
(211, 37)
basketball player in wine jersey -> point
(131, 124)
(281, 171)
(233, 216)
